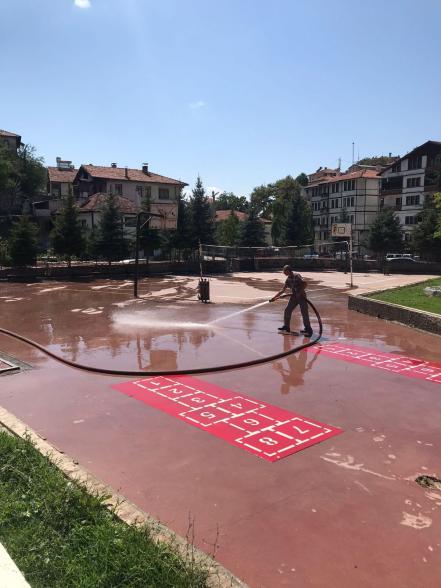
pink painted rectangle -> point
(258, 427)
(397, 364)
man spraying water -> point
(297, 285)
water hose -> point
(186, 372)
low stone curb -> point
(10, 575)
(126, 511)
(418, 319)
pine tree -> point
(297, 226)
(202, 224)
(112, 245)
(253, 231)
(181, 238)
(67, 236)
(23, 242)
(228, 231)
(385, 233)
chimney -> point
(145, 168)
(113, 165)
(390, 154)
(126, 172)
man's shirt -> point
(295, 282)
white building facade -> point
(351, 197)
(407, 185)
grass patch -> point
(61, 536)
(413, 296)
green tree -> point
(385, 233)
(297, 224)
(31, 171)
(202, 223)
(382, 160)
(228, 232)
(253, 231)
(425, 240)
(291, 214)
(67, 236)
(262, 199)
(302, 179)
(23, 242)
(112, 245)
(22, 176)
(229, 201)
(92, 247)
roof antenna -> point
(353, 152)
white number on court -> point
(299, 430)
(208, 415)
(237, 405)
(268, 441)
(197, 400)
(251, 422)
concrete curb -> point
(10, 575)
(417, 319)
(126, 511)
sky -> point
(242, 92)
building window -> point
(412, 220)
(118, 189)
(396, 167)
(139, 191)
(351, 218)
(349, 201)
(415, 162)
(408, 237)
(130, 221)
(56, 189)
(164, 194)
(83, 223)
(398, 203)
(413, 182)
(412, 200)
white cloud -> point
(198, 104)
(82, 3)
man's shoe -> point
(306, 332)
(284, 328)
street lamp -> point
(139, 226)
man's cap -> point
(287, 268)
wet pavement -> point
(344, 511)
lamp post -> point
(139, 226)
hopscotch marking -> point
(403, 365)
(258, 427)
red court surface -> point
(410, 367)
(346, 511)
(260, 428)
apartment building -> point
(351, 197)
(409, 183)
(133, 184)
(11, 140)
(60, 178)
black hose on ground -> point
(186, 372)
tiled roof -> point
(365, 173)
(61, 175)
(134, 175)
(222, 215)
(428, 144)
(8, 134)
(98, 201)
